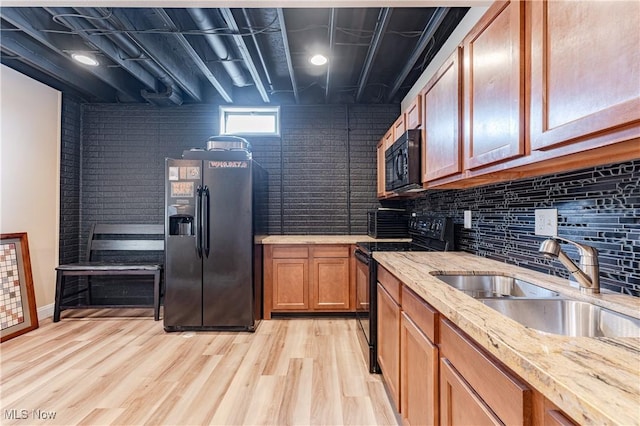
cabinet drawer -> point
(459, 403)
(421, 313)
(331, 251)
(390, 283)
(290, 252)
(507, 396)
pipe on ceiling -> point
(219, 46)
(257, 46)
(130, 48)
(428, 32)
(381, 26)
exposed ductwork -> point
(130, 48)
(212, 55)
(167, 98)
(219, 47)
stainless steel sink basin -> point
(484, 286)
(567, 317)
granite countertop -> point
(320, 239)
(593, 380)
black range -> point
(428, 233)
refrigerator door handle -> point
(206, 221)
(198, 221)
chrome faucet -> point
(587, 274)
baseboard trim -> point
(45, 311)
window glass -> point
(250, 121)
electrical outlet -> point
(467, 219)
(547, 222)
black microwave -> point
(402, 163)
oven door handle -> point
(361, 257)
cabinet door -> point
(362, 287)
(330, 283)
(585, 70)
(413, 114)
(459, 404)
(389, 343)
(441, 112)
(494, 86)
(509, 398)
(418, 376)
(381, 168)
(399, 127)
(388, 138)
(290, 284)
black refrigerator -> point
(213, 268)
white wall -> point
(30, 172)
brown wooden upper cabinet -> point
(585, 72)
(386, 141)
(388, 137)
(399, 127)
(381, 169)
(494, 86)
(413, 114)
(441, 120)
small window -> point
(250, 121)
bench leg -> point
(156, 296)
(58, 297)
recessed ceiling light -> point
(318, 60)
(86, 59)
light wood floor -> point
(120, 367)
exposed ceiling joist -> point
(285, 40)
(115, 30)
(115, 80)
(218, 45)
(381, 26)
(26, 50)
(332, 32)
(428, 32)
(244, 52)
(256, 44)
(152, 47)
(223, 89)
(230, 55)
(83, 29)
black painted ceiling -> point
(240, 56)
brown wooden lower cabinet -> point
(506, 395)
(308, 278)
(330, 283)
(418, 376)
(436, 374)
(389, 342)
(290, 291)
(459, 404)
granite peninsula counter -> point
(593, 380)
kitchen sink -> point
(567, 317)
(498, 286)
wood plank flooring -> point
(119, 367)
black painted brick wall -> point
(112, 171)
(599, 206)
(367, 125)
(321, 170)
(70, 159)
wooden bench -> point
(107, 240)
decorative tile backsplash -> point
(598, 206)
